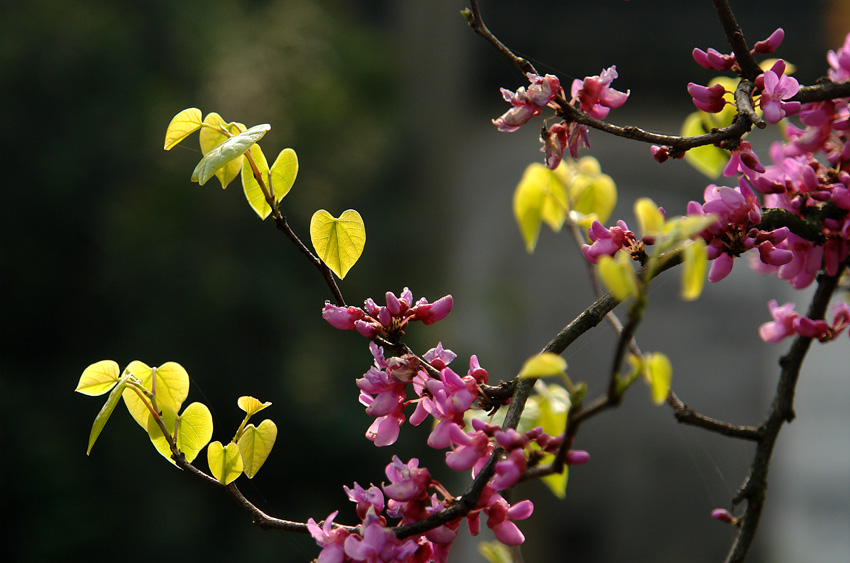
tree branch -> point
(782, 411)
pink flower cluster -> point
(607, 242)
(390, 320)
(526, 104)
(736, 230)
(787, 322)
(411, 492)
(593, 95)
(715, 60)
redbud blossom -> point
(776, 89)
(713, 60)
(769, 45)
(527, 103)
(708, 98)
(595, 95)
(407, 480)
(723, 515)
(839, 61)
(330, 539)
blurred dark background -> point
(107, 250)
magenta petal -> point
(507, 533)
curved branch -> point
(283, 226)
(687, 415)
(782, 411)
(476, 22)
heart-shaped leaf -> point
(255, 445)
(225, 463)
(194, 430)
(211, 137)
(106, 412)
(540, 195)
(182, 125)
(284, 171)
(229, 150)
(338, 242)
(251, 405)
(98, 378)
(172, 388)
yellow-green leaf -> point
(591, 191)
(253, 192)
(98, 378)
(182, 125)
(251, 405)
(255, 445)
(543, 365)
(618, 275)
(172, 388)
(231, 149)
(284, 170)
(495, 552)
(210, 137)
(708, 159)
(694, 268)
(539, 196)
(552, 403)
(194, 430)
(105, 412)
(225, 463)
(649, 216)
(659, 374)
(338, 242)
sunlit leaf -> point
(98, 378)
(618, 275)
(255, 445)
(225, 463)
(694, 268)
(708, 159)
(253, 192)
(540, 196)
(284, 170)
(172, 388)
(543, 365)
(338, 242)
(106, 412)
(590, 191)
(182, 125)
(495, 552)
(251, 405)
(210, 138)
(231, 149)
(649, 216)
(195, 430)
(659, 374)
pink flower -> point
(776, 89)
(407, 481)
(769, 45)
(713, 60)
(707, 98)
(330, 539)
(782, 324)
(595, 95)
(527, 103)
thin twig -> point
(687, 415)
